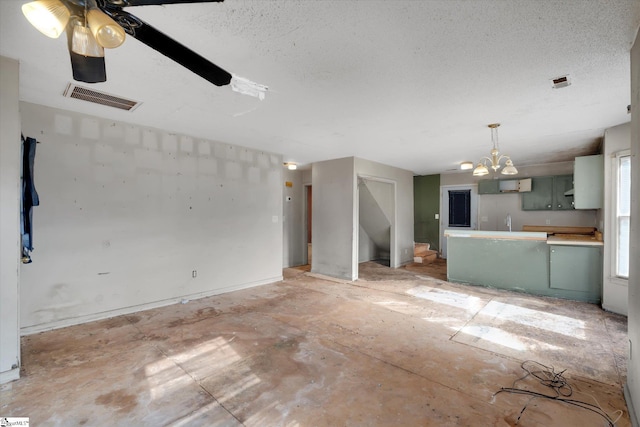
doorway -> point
(376, 216)
(458, 210)
(308, 222)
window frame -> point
(615, 217)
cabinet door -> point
(576, 268)
(589, 182)
(562, 184)
(489, 186)
(540, 198)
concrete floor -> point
(396, 348)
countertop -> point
(501, 235)
(550, 239)
(574, 240)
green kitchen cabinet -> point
(561, 185)
(489, 186)
(589, 182)
(540, 198)
(576, 268)
(548, 193)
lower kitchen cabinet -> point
(576, 268)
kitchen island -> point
(534, 262)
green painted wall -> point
(426, 204)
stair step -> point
(426, 258)
(420, 249)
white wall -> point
(633, 367)
(403, 229)
(10, 162)
(127, 213)
(334, 223)
(367, 249)
(615, 290)
(493, 208)
(294, 221)
(335, 220)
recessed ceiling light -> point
(291, 166)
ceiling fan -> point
(93, 25)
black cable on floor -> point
(557, 382)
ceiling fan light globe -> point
(105, 30)
(84, 43)
(50, 17)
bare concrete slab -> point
(399, 347)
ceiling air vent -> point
(560, 82)
(90, 95)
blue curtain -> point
(29, 197)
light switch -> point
(437, 216)
(274, 218)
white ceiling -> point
(411, 84)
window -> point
(459, 208)
(623, 215)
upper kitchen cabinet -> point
(503, 186)
(548, 193)
(562, 194)
(589, 182)
(489, 186)
(541, 196)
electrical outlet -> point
(547, 221)
(194, 273)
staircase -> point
(422, 254)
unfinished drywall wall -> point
(402, 231)
(132, 217)
(426, 199)
(632, 388)
(10, 164)
(493, 208)
(615, 290)
(334, 223)
(294, 208)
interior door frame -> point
(307, 229)
(444, 212)
(393, 263)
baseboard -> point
(63, 323)
(328, 278)
(632, 412)
(10, 375)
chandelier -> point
(495, 158)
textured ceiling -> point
(407, 83)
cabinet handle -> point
(549, 206)
(559, 206)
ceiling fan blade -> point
(170, 48)
(127, 3)
(86, 69)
